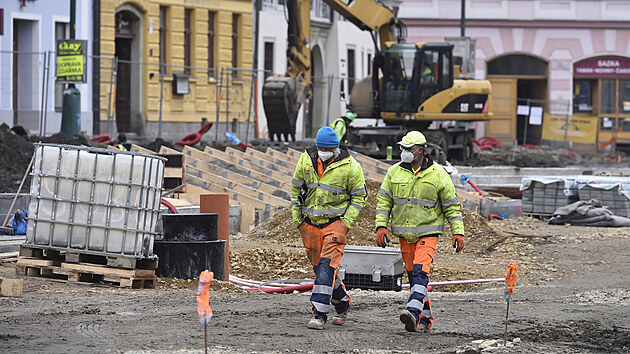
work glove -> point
(382, 237)
(458, 242)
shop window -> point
(163, 41)
(211, 36)
(606, 124)
(608, 96)
(235, 49)
(187, 41)
(582, 96)
(351, 73)
(522, 65)
(624, 97)
(268, 64)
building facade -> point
(29, 95)
(568, 57)
(166, 67)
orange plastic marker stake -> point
(510, 279)
(203, 302)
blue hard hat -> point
(326, 138)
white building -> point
(29, 95)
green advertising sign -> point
(71, 60)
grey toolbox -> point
(374, 268)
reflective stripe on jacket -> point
(340, 192)
(418, 204)
(339, 125)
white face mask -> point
(337, 152)
(325, 155)
(406, 156)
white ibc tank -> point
(96, 200)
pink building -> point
(572, 58)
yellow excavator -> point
(412, 85)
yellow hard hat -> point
(412, 138)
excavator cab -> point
(413, 73)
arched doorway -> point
(517, 79)
(319, 100)
(128, 74)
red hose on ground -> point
(170, 206)
(194, 138)
(284, 290)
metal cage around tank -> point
(93, 200)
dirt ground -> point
(572, 296)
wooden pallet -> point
(81, 273)
(68, 256)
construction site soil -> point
(572, 295)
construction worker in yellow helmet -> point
(418, 195)
(327, 194)
(341, 124)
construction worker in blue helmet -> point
(327, 194)
(340, 125)
(418, 196)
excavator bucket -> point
(281, 103)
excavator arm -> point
(283, 95)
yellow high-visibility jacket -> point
(339, 126)
(418, 203)
(340, 192)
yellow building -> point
(194, 42)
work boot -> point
(317, 322)
(340, 318)
(409, 320)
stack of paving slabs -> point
(543, 195)
(612, 192)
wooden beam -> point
(281, 155)
(165, 150)
(294, 153)
(138, 148)
(214, 188)
(236, 187)
(212, 162)
(247, 164)
(275, 160)
(238, 178)
(261, 162)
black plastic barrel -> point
(187, 259)
(191, 227)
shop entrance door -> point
(516, 79)
(503, 106)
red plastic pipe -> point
(170, 206)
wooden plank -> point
(275, 160)
(236, 187)
(212, 164)
(238, 178)
(372, 161)
(260, 162)
(371, 175)
(165, 150)
(283, 156)
(36, 262)
(84, 268)
(173, 172)
(214, 188)
(11, 287)
(140, 149)
(247, 164)
(294, 153)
